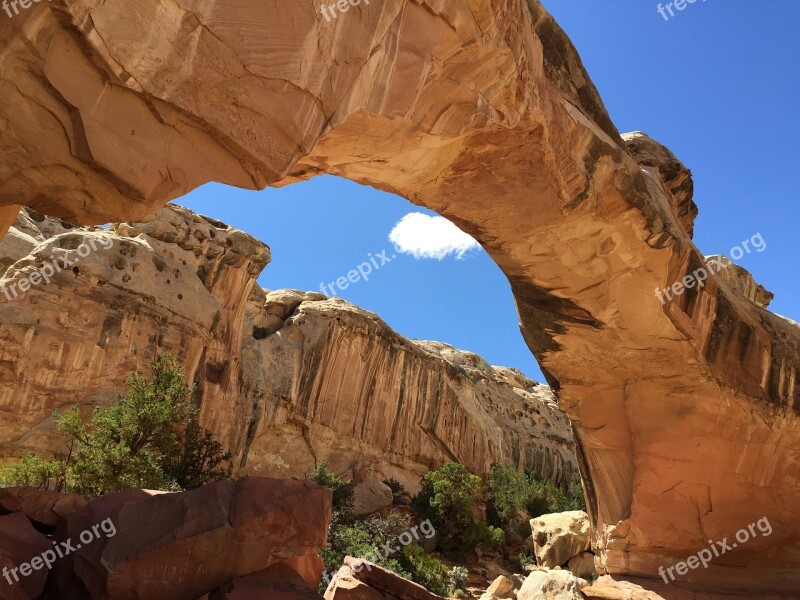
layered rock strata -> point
(283, 378)
(331, 381)
(686, 413)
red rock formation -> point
(44, 508)
(686, 413)
(284, 378)
(310, 567)
(7, 216)
(325, 374)
(279, 582)
(20, 544)
(359, 579)
(183, 545)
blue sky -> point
(718, 83)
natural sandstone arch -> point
(686, 414)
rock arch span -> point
(686, 413)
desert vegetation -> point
(148, 438)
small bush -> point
(149, 438)
(458, 579)
(447, 498)
(525, 559)
(35, 471)
(366, 537)
(547, 498)
(360, 538)
(510, 493)
(425, 569)
(575, 498)
(398, 490)
(479, 534)
(343, 491)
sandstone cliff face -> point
(180, 288)
(686, 414)
(285, 378)
(332, 381)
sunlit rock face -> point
(284, 378)
(332, 381)
(174, 283)
(685, 413)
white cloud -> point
(430, 237)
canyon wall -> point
(283, 378)
(331, 381)
(685, 413)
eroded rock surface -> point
(186, 544)
(279, 582)
(285, 378)
(47, 509)
(326, 374)
(558, 537)
(548, 584)
(359, 579)
(20, 543)
(686, 414)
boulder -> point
(371, 496)
(582, 565)
(550, 585)
(346, 587)
(558, 537)
(501, 588)
(63, 583)
(41, 507)
(359, 579)
(278, 582)
(309, 567)
(606, 588)
(183, 545)
(24, 573)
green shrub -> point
(357, 538)
(149, 438)
(425, 569)
(361, 537)
(479, 534)
(525, 559)
(458, 579)
(547, 498)
(343, 491)
(447, 498)
(398, 490)
(575, 498)
(510, 493)
(35, 471)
